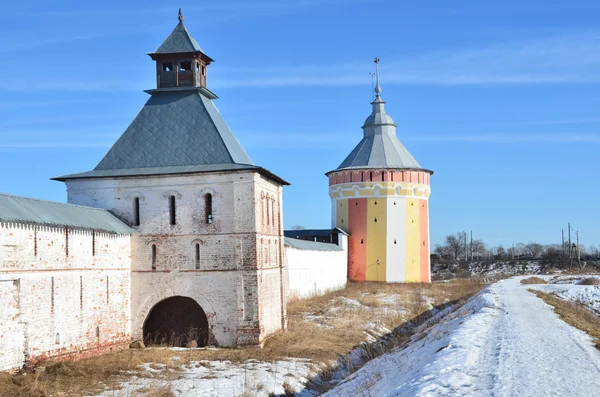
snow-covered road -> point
(504, 342)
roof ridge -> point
(54, 202)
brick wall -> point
(217, 264)
(73, 292)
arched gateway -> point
(176, 321)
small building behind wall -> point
(65, 285)
(314, 267)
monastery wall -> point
(316, 271)
(63, 292)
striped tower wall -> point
(386, 213)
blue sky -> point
(500, 99)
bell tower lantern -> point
(180, 62)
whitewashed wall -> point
(53, 304)
(315, 272)
(239, 279)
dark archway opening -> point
(176, 321)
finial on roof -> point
(377, 87)
(180, 16)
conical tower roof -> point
(179, 41)
(380, 147)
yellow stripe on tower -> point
(341, 220)
(376, 237)
(413, 236)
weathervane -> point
(180, 16)
(377, 87)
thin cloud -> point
(42, 145)
(569, 59)
(220, 9)
(74, 86)
(565, 138)
(287, 140)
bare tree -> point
(479, 249)
(501, 252)
(534, 249)
(455, 244)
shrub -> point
(590, 281)
(533, 280)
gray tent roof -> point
(380, 151)
(176, 128)
(179, 41)
(380, 147)
(50, 213)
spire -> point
(377, 86)
(180, 16)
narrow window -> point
(67, 242)
(107, 291)
(394, 241)
(392, 176)
(52, 294)
(167, 66)
(362, 177)
(279, 219)
(80, 293)
(371, 176)
(197, 256)
(97, 332)
(375, 220)
(136, 211)
(153, 256)
(57, 341)
(172, 216)
(197, 66)
(268, 212)
(273, 213)
(203, 70)
(362, 241)
(383, 177)
(35, 242)
(93, 243)
(351, 177)
(208, 208)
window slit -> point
(153, 256)
(136, 211)
(208, 208)
(173, 217)
(197, 254)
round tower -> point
(380, 196)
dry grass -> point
(321, 329)
(575, 314)
(533, 280)
(589, 281)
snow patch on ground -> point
(504, 342)
(568, 288)
(220, 378)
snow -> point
(220, 378)
(504, 342)
(569, 289)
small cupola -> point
(180, 62)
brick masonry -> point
(233, 267)
(69, 293)
(62, 292)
